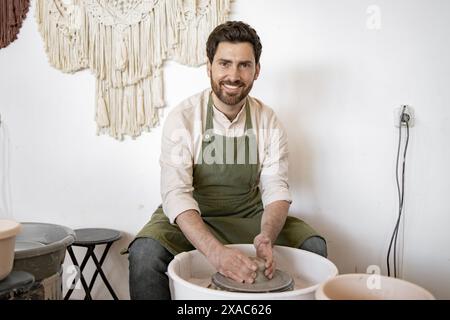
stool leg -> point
(83, 281)
(89, 254)
(102, 259)
(89, 250)
(105, 280)
(75, 262)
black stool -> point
(90, 238)
(16, 285)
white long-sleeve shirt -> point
(182, 145)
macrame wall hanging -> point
(12, 14)
(125, 43)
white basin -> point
(8, 231)
(370, 287)
(190, 275)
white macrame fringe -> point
(63, 29)
(195, 22)
(127, 57)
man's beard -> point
(230, 100)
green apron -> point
(228, 195)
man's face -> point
(233, 72)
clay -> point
(280, 282)
(260, 276)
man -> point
(224, 166)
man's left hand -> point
(263, 246)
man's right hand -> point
(233, 264)
(230, 262)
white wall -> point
(334, 83)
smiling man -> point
(224, 176)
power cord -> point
(404, 119)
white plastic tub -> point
(8, 231)
(370, 287)
(190, 275)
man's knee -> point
(148, 266)
(316, 245)
(146, 254)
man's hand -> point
(230, 262)
(233, 264)
(263, 246)
(272, 223)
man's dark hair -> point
(234, 32)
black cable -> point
(401, 192)
(388, 263)
(402, 199)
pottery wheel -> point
(280, 282)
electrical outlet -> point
(407, 114)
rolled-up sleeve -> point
(176, 163)
(274, 170)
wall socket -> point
(406, 112)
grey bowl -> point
(41, 247)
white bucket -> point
(8, 231)
(370, 287)
(190, 275)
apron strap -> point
(209, 115)
(248, 130)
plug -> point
(405, 118)
(404, 115)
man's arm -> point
(273, 219)
(229, 262)
(272, 223)
(274, 189)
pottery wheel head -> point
(280, 282)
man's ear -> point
(258, 70)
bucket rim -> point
(48, 247)
(9, 228)
(242, 295)
(365, 276)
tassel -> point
(102, 113)
(125, 114)
(75, 17)
(121, 55)
(140, 108)
(157, 89)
